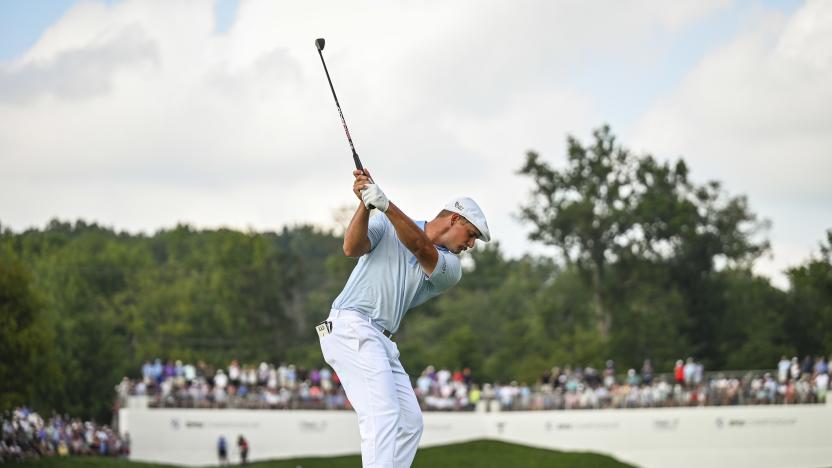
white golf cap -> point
(469, 209)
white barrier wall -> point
(745, 436)
(749, 436)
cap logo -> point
(458, 205)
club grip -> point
(360, 167)
(357, 161)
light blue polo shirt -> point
(388, 280)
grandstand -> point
(174, 413)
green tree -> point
(25, 336)
(752, 331)
(809, 319)
(646, 239)
(584, 210)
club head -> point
(319, 43)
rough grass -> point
(479, 454)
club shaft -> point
(355, 158)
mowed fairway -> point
(479, 454)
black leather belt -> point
(352, 313)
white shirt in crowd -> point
(220, 379)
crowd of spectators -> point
(589, 388)
(284, 386)
(26, 435)
(265, 386)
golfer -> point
(402, 264)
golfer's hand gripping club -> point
(368, 192)
(373, 197)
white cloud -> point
(757, 114)
(76, 74)
(783, 255)
(140, 115)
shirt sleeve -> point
(447, 272)
(376, 228)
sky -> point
(141, 114)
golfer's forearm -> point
(413, 238)
(356, 242)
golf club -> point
(319, 44)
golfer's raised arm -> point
(356, 241)
(414, 238)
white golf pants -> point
(367, 362)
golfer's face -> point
(463, 236)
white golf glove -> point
(374, 197)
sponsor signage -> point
(738, 423)
(178, 424)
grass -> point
(479, 454)
(79, 462)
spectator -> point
(609, 374)
(242, 446)
(222, 451)
(189, 372)
(783, 369)
(647, 372)
(220, 379)
(808, 365)
(234, 373)
(795, 369)
(262, 374)
(271, 383)
(169, 371)
(698, 372)
(633, 379)
(147, 372)
(679, 372)
(689, 371)
(822, 386)
(156, 371)
(821, 367)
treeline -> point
(644, 263)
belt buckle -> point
(387, 333)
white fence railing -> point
(729, 436)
